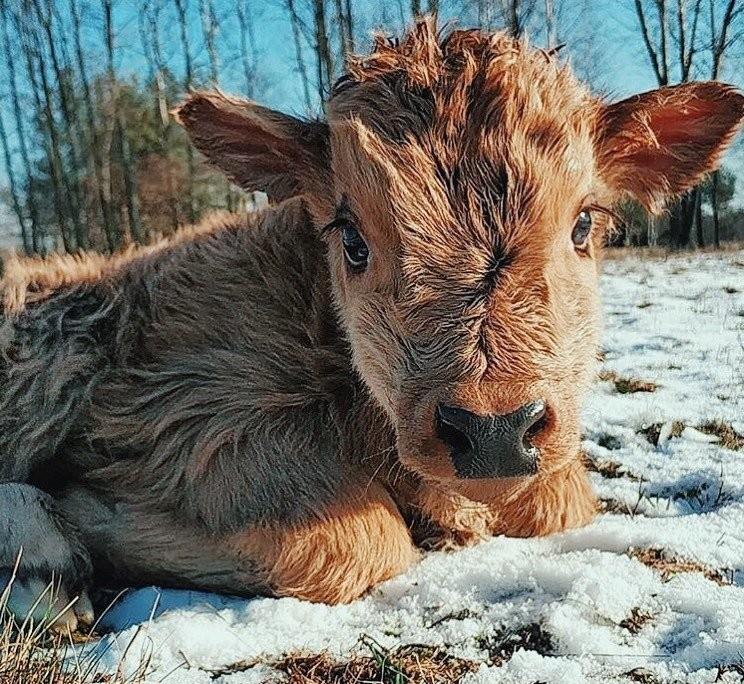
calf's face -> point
(464, 187)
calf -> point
(392, 356)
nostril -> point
(449, 433)
(536, 420)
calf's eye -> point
(582, 229)
(356, 251)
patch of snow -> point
(668, 321)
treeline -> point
(91, 159)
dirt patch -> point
(610, 505)
(642, 676)
(612, 470)
(728, 437)
(652, 432)
(502, 645)
(627, 385)
(412, 664)
(668, 565)
(637, 619)
(736, 668)
(609, 442)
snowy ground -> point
(590, 607)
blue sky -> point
(601, 36)
(606, 29)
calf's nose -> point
(490, 445)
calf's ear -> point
(659, 144)
(258, 148)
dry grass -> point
(653, 431)
(32, 653)
(502, 645)
(636, 621)
(642, 676)
(612, 470)
(736, 668)
(627, 385)
(668, 565)
(725, 432)
(412, 664)
(610, 505)
(727, 436)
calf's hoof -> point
(47, 603)
(44, 568)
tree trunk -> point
(20, 130)
(42, 102)
(682, 217)
(248, 56)
(129, 173)
(299, 57)
(343, 29)
(72, 131)
(151, 36)
(699, 218)
(550, 35)
(209, 29)
(350, 25)
(714, 207)
(188, 83)
(416, 8)
(110, 228)
(323, 50)
(15, 197)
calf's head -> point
(464, 185)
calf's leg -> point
(337, 555)
(43, 562)
(548, 503)
(334, 555)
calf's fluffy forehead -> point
(469, 111)
(432, 85)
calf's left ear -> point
(658, 144)
(258, 148)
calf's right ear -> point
(258, 148)
(659, 144)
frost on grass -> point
(651, 592)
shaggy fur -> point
(233, 409)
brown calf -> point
(393, 355)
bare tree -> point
(720, 40)
(550, 25)
(248, 54)
(515, 15)
(37, 77)
(129, 173)
(323, 53)
(20, 132)
(295, 22)
(109, 225)
(14, 194)
(345, 25)
(659, 26)
(150, 32)
(72, 132)
(183, 26)
(210, 29)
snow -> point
(678, 322)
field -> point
(652, 592)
